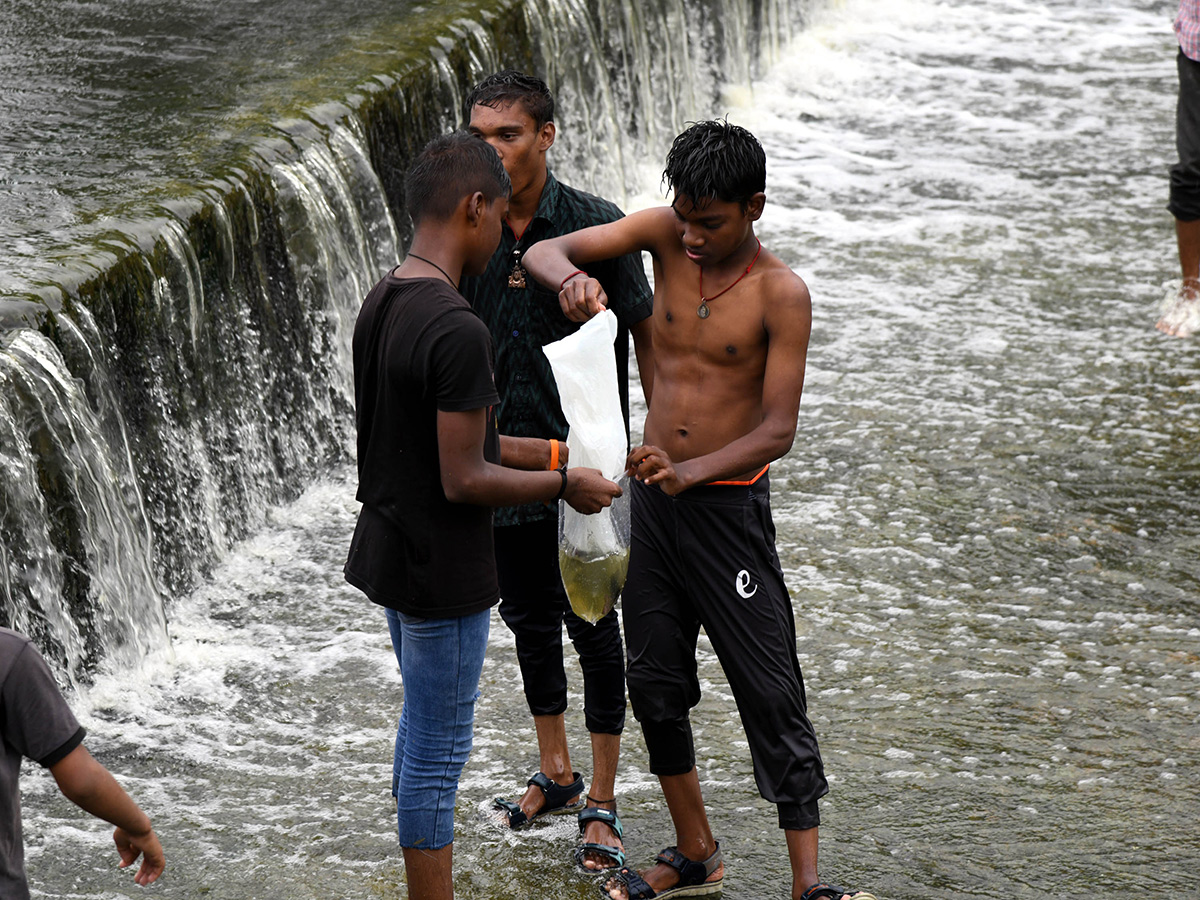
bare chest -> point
(718, 333)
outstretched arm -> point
(558, 263)
(91, 787)
(531, 453)
(469, 478)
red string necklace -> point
(702, 309)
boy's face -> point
(712, 229)
(491, 224)
(514, 135)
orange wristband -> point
(553, 455)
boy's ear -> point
(476, 203)
(546, 136)
(754, 206)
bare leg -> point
(1187, 235)
(693, 837)
(1182, 318)
(606, 749)
(429, 873)
(554, 759)
(802, 853)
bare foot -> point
(1181, 317)
(597, 832)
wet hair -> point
(511, 86)
(715, 159)
(449, 168)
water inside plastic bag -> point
(593, 551)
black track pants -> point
(534, 605)
(707, 557)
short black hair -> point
(511, 86)
(449, 168)
(715, 159)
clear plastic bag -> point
(593, 551)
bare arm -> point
(788, 321)
(643, 349)
(530, 453)
(91, 787)
(468, 478)
(556, 262)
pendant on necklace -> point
(702, 309)
(516, 278)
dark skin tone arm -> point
(92, 788)
(529, 453)
(582, 297)
(787, 321)
(554, 261)
(747, 361)
(643, 351)
(468, 478)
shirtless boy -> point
(731, 324)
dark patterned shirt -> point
(522, 320)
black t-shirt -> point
(419, 348)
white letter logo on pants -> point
(743, 582)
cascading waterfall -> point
(152, 412)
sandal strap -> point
(607, 816)
(516, 815)
(555, 795)
(616, 854)
(635, 885)
(690, 871)
(821, 889)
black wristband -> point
(562, 470)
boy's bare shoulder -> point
(784, 291)
(656, 226)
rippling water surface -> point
(110, 107)
(989, 522)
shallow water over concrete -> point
(989, 523)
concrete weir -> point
(183, 365)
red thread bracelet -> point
(563, 283)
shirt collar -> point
(548, 205)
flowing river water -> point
(989, 522)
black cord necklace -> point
(436, 266)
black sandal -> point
(692, 882)
(556, 798)
(833, 892)
(610, 818)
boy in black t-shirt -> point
(36, 722)
(431, 466)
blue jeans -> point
(440, 664)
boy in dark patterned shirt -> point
(515, 114)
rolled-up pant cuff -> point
(799, 816)
(669, 745)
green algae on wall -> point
(211, 332)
